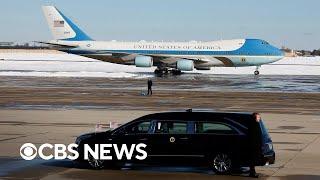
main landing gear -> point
(165, 71)
(257, 72)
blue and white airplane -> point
(166, 56)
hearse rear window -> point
(211, 127)
(171, 127)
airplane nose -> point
(279, 52)
(282, 54)
(276, 51)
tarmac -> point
(296, 141)
(40, 111)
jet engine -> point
(143, 61)
(185, 65)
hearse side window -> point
(215, 128)
(166, 127)
(138, 128)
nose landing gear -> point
(257, 72)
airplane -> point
(168, 57)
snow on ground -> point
(63, 65)
(68, 65)
(286, 66)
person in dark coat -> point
(149, 87)
(255, 142)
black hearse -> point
(219, 139)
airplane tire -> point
(256, 73)
(157, 71)
(176, 72)
(167, 71)
(160, 71)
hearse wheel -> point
(95, 163)
(222, 163)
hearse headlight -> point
(269, 146)
(78, 140)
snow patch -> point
(68, 65)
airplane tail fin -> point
(62, 27)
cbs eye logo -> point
(28, 151)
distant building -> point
(26, 45)
(6, 43)
(304, 53)
(289, 52)
(307, 53)
(316, 52)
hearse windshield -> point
(264, 130)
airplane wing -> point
(57, 45)
(157, 59)
(125, 57)
(172, 60)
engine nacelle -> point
(143, 61)
(185, 65)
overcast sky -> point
(293, 23)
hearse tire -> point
(221, 163)
(95, 163)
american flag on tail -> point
(58, 24)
